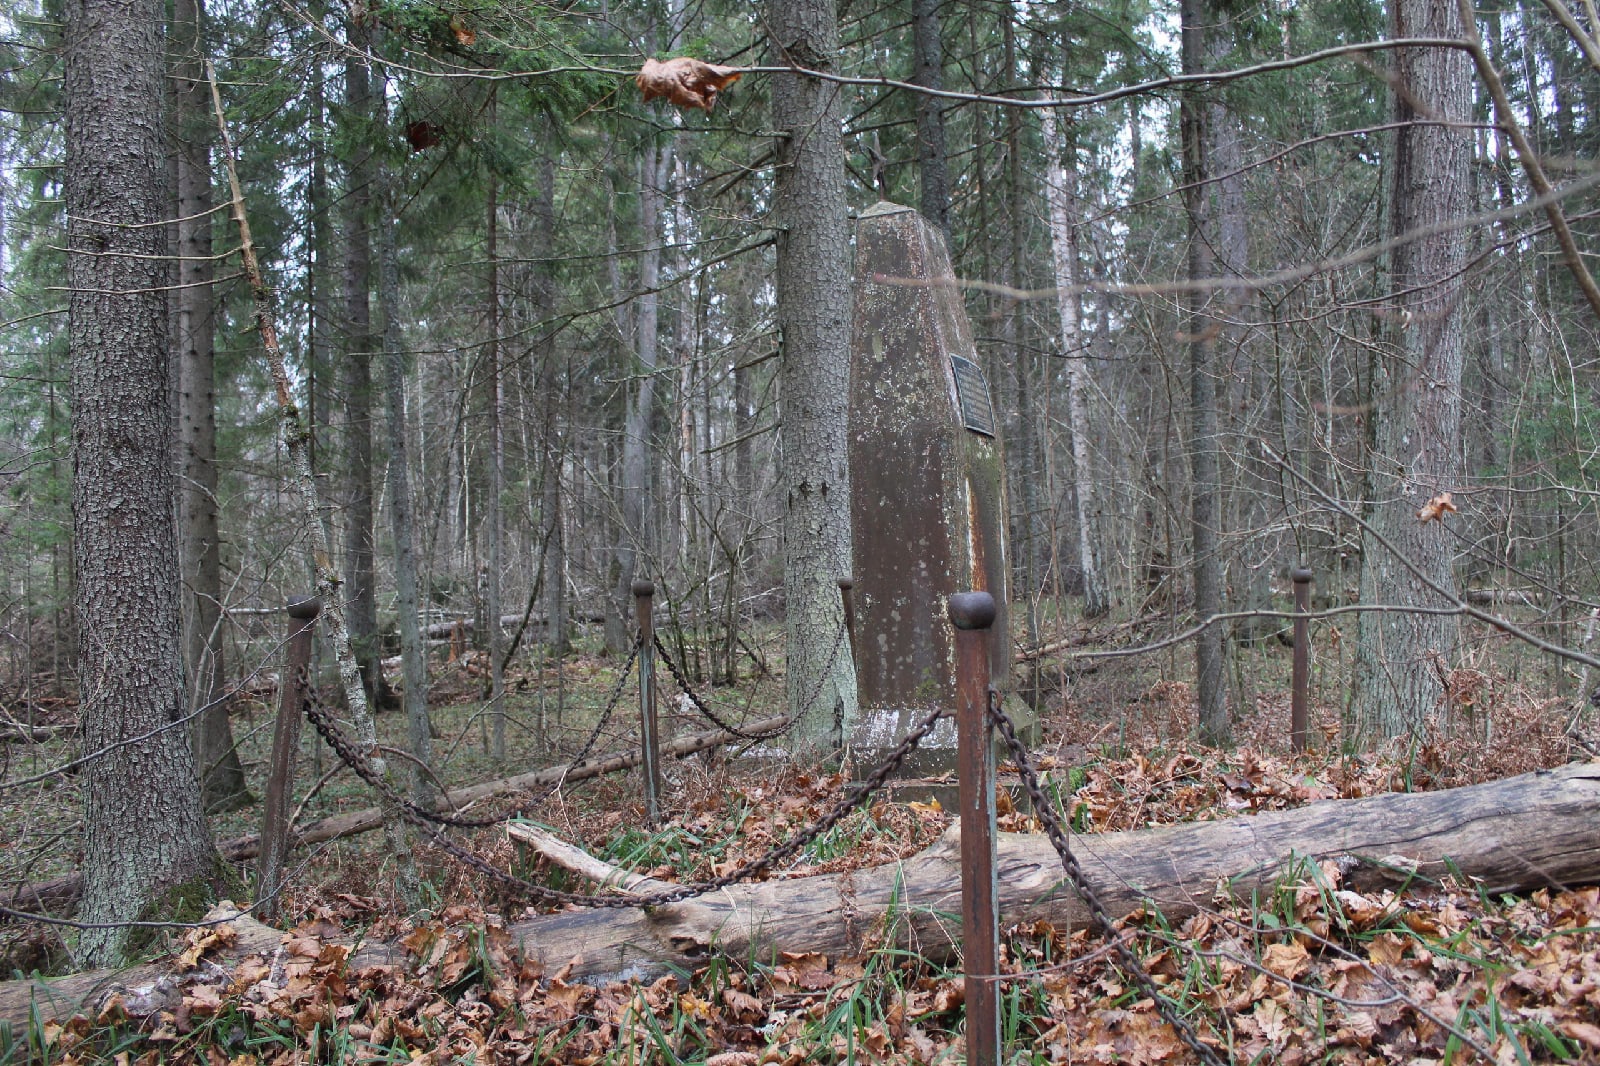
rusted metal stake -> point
(847, 585)
(972, 613)
(1300, 689)
(292, 691)
(649, 740)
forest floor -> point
(1441, 973)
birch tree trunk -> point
(1402, 659)
(814, 373)
(1060, 190)
(144, 829)
(222, 784)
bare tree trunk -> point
(360, 592)
(144, 828)
(813, 319)
(1032, 419)
(1402, 659)
(413, 653)
(636, 482)
(1060, 188)
(1210, 676)
(222, 784)
(552, 389)
(932, 160)
(493, 396)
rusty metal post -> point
(972, 613)
(1300, 689)
(292, 691)
(847, 595)
(649, 741)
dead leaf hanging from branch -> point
(685, 82)
(1437, 507)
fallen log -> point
(21, 733)
(150, 987)
(59, 897)
(1518, 834)
(1532, 831)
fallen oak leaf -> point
(684, 81)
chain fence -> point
(434, 824)
(317, 714)
(1057, 834)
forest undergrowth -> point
(1313, 972)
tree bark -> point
(144, 828)
(552, 454)
(1401, 659)
(493, 397)
(637, 497)
(1205, 489)
(932, 158)
(1516, 835)
(1061, 194)
(813, 284)
(360, 592)
(222, 784)
(413, 653)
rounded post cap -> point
(643, 587)
(1301, 575)
(305, 608)
(972, 610)
(846, 582)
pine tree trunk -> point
(813, 320)
(361, 603)
(1032, 544)
(1205, 490)
(932, 161)
(552, 454)
(637, 502)
(493, 397)
(1402, 659)
(413, 653)
(222, 784)
(144, 828)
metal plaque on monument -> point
(927, 476)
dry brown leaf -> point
(1437, 507)
(1288, 961)
(1582, 1031)
(734, 1058)
(684, 82)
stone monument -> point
(927, 476)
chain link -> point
(433, 823)
(316, 714)
(700, 705)
(678, 676)
(1045, 810)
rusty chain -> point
(1045, 810)
(320, 720)
(679, 677)
(434, 823)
